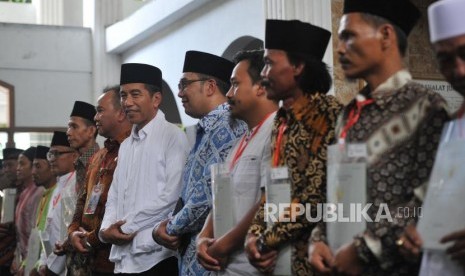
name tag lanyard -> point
(354, 116)
(245, 141)
(281, 129)
(57, 198)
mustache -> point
(343, 60)
(231, 102)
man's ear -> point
(156, 99)
(387, 33)
(298, 69)
(93, 130)
(210, 86)
(260, 89)
(121, 115)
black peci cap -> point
(297, 37)
(11, 153)
(41, 152)
(60, 139)
(83, 110)
(208, 64)
(402, 13)
(140, 73)
(30, 153)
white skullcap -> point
(446, 19)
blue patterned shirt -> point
(220, 133)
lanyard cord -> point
(245, 142)
(354, 116)
(281, 129)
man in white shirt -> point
(248, 161)
(61, 158)
(447, 36)
(147, 179)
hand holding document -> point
(223, 202)
(8, 205)
(278, 191)
(346, 187)
(443, 208)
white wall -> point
(17, 13)
(130, 6)
(210, 28)
(50, 67)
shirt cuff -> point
(100, 236)
(374, 245)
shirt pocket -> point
(246, 177)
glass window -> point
(24, 140)
(3, 140)
(16, 1)
(4, 107)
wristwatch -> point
(261, 245)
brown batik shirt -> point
(80, 165)
(401, 129)
(310, 129)
(100, 170)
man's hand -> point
(346, 261)
(40, 271)
(160, 236)
(266, 262)
(216, 251)
(114, 235)
(207, 261)
(410, 243)
(16, 269)
(20, 272)
(59, 249)
(78, 240)
(457, 250)
(320, 257)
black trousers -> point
(167, 267)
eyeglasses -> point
(183, 84)
(54, 154)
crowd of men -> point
(143, 203)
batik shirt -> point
(310, 129)
(217, 133)
(100, 171)
(80, 165)
(401, 129)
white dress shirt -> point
(249, 174)
(57, 225)
(146, 185)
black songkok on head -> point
(401, 13)
(11, 153)
(41, 152)
(208, 64)
(59, 139)
(83, 110)
(30, 153)
(295, 36)
(140, 73)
